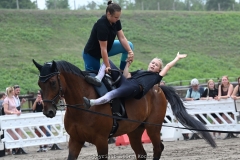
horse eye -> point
(53, 83)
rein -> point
(135, 121)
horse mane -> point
(70, 68)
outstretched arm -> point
(171, 64)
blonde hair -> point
(160, 62)
(9, 90)
(209, 81)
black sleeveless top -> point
(211, 93)
(146, 79)
(39, 107)
(223, 93)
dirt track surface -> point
(180, 150)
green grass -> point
(211, 40)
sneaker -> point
(86, 103)
(93, 80)
(40, 150)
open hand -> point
(180, 56)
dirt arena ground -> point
(179, 150)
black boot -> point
(86, 103)
(93, 80)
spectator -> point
(2, 97)
(195, 92)
(10, 108)
(38, 107)
(236, 92)
(211, 93)
(16, 97)
(225, 89)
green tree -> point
(23, 4)
(162, 4)
(57, 4)
(224, 4)
(91, 5)
(195, 5)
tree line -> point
(194, 5)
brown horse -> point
(60, 78)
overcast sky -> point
(41, 3)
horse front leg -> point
(74, 148)
(102, 148)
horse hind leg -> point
(135, 138)
(74, 148)
(158, 147)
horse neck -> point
(75, 88)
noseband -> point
(59, 94)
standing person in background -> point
(2, 97)
(16, 97)
(211, 93)
(195, 92)
(236, 92)
(102, 43)
(38, 107)
(10, 108)
(225, 89)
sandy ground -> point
(178, 150)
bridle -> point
(60, 91)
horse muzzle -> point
(50, 112)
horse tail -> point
(183, 117)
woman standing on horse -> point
(102, 43)
(136, 84)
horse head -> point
(49, 82)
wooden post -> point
(173, 6)
(142, 6)
(219, 7)
(180, 83)
(55, 6)
(17, 4)
(74, 5)
(158, 6)
(233, 6)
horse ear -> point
(39, 67)
(54, 66)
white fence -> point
(19, 131)
(226, 110)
